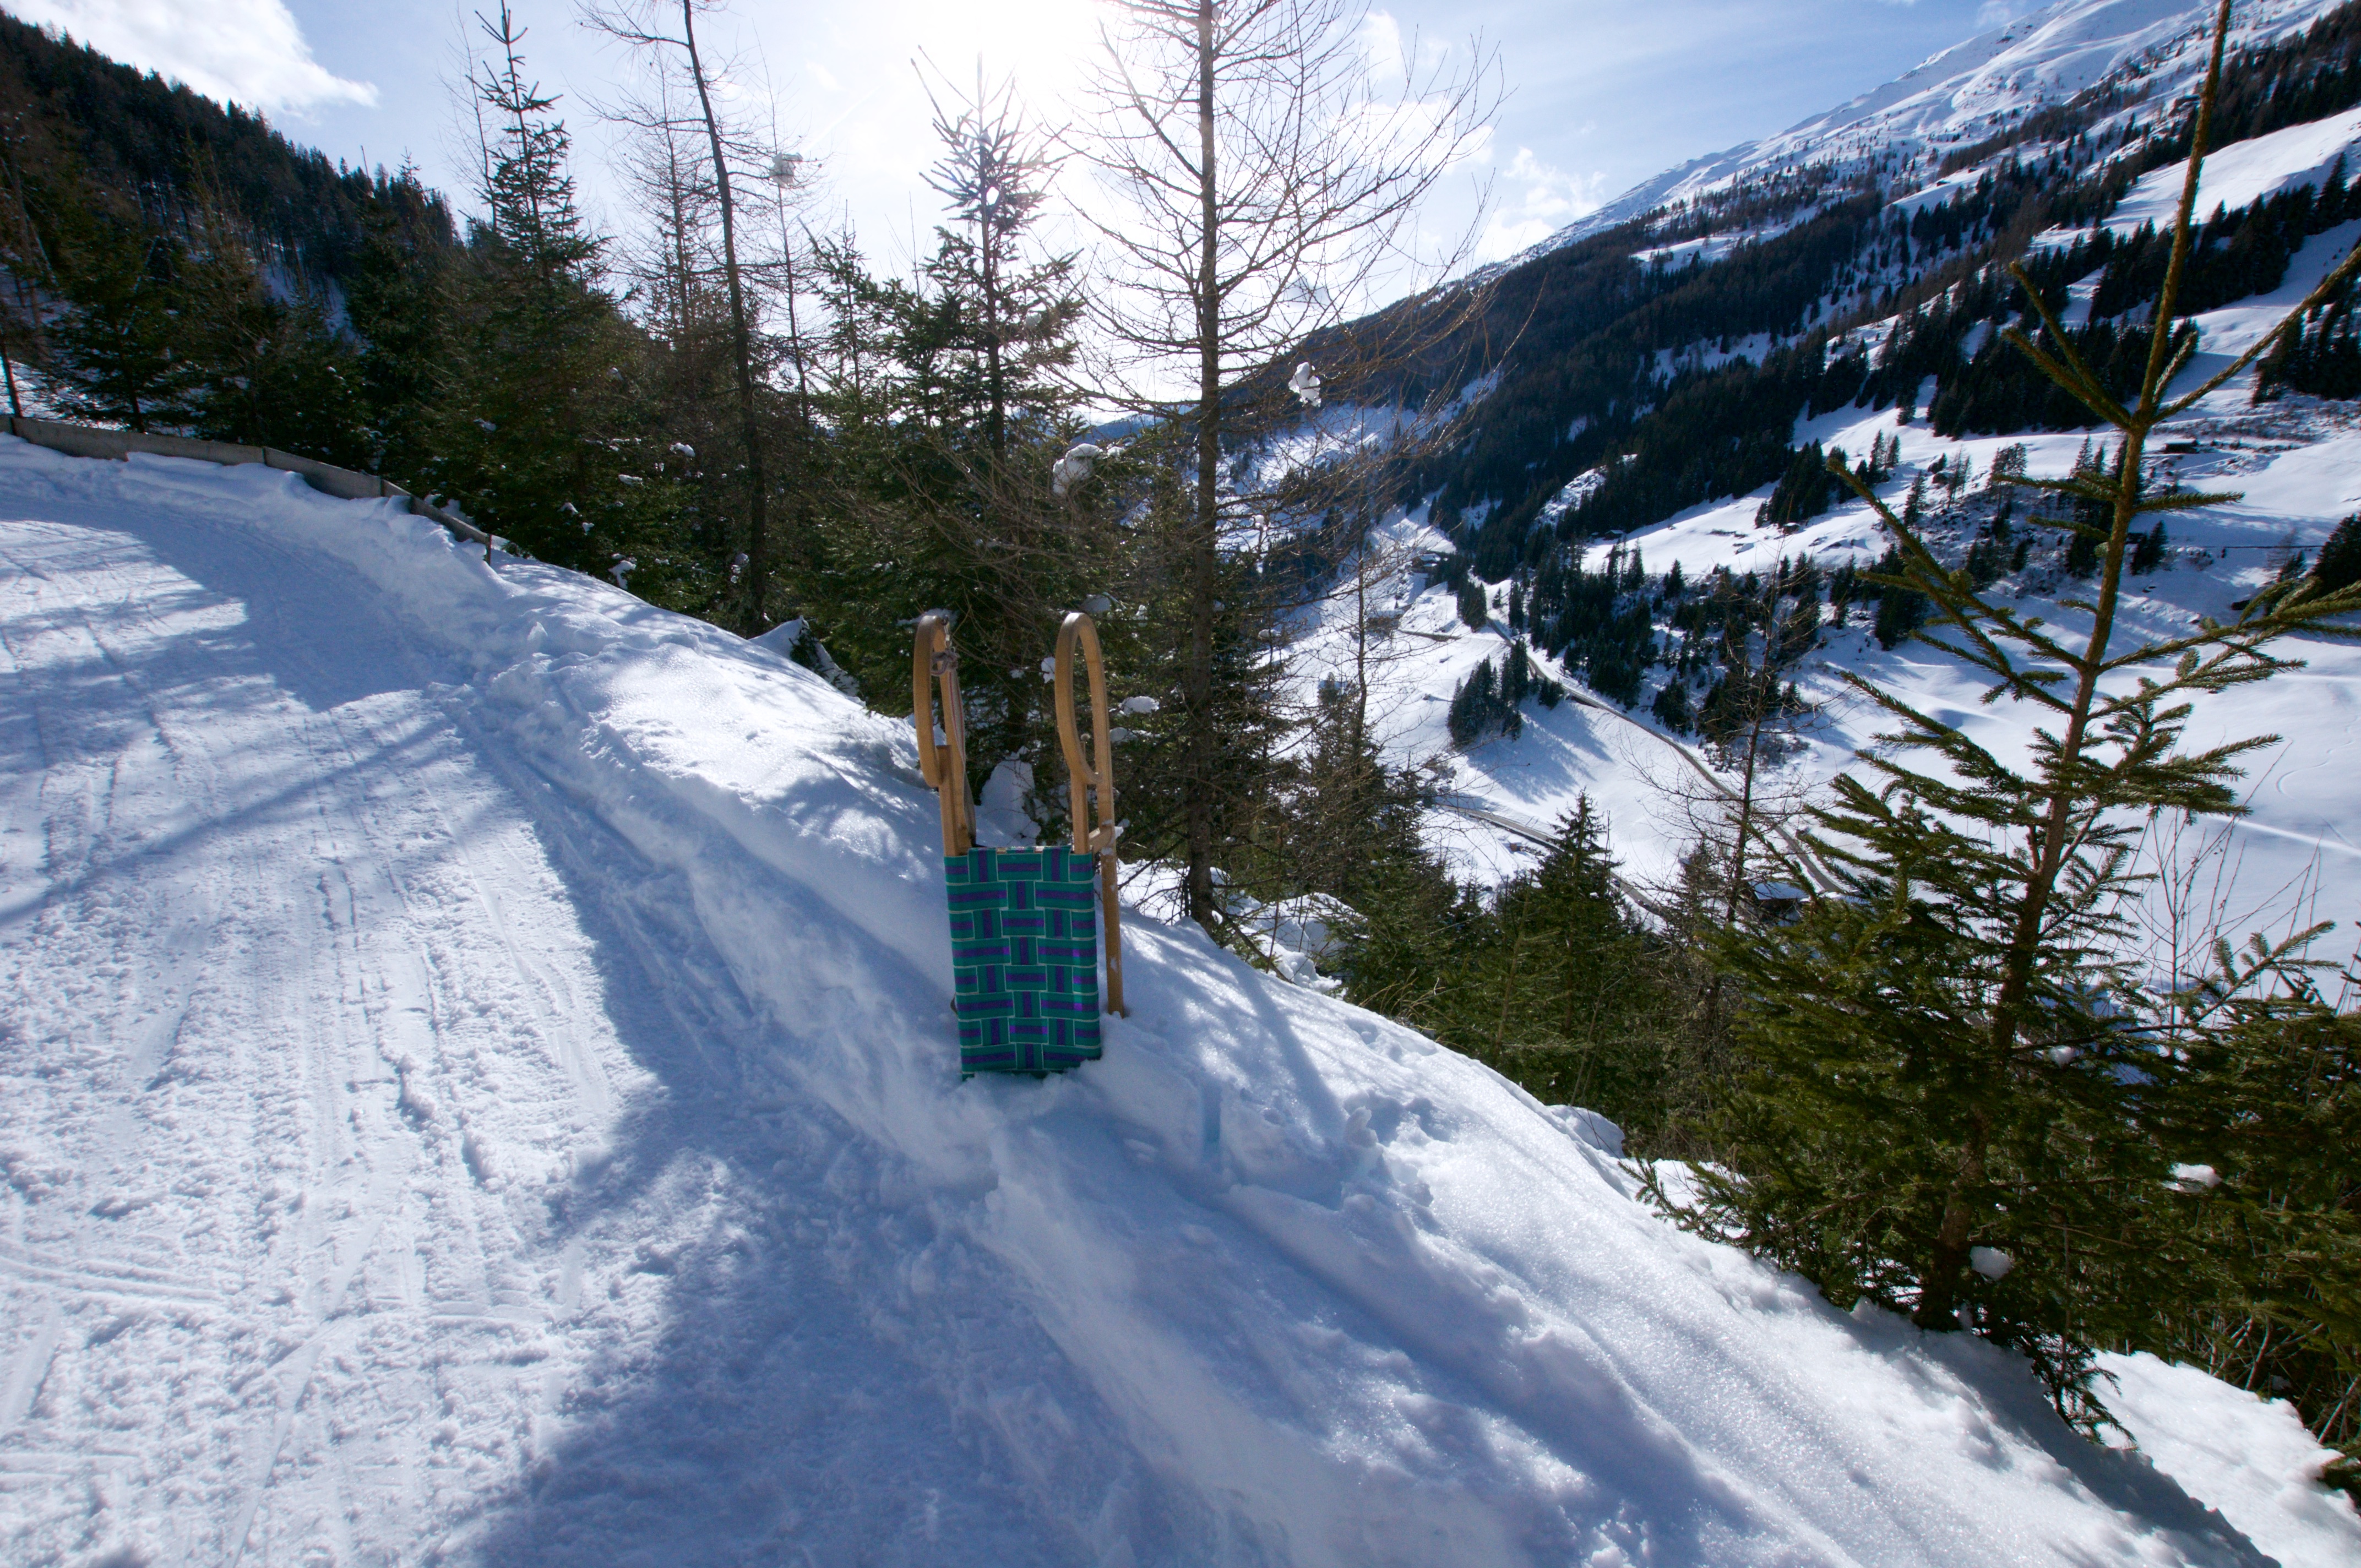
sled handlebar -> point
(934, 668)
(1092, 779)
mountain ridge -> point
(2046, 42)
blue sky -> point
(1603, 93)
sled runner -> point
(1024, 923)
(1093, 785)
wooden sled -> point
(1024, 923)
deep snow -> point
(476, 1084)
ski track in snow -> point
(477, 1085)
(264, 1027)
(335, 1115)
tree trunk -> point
(1509, 987)
(1361, 644)
(1939, 1286)
(1205, 531)
(741, 343)
(1949, 1258)
(1746, 799)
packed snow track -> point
(477, 1085)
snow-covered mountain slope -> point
(477, 1085)
(1971, 91)
(2246, 1446)
(2296, 465)
(2242, 173)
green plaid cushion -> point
(1024, 954)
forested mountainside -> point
(1664, 361)
(177, 265)
(1634, 537)
(157, 148)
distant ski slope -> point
(477, 1085)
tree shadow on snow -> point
(754, 1395)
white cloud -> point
(1536, 200)
(1381, 41)
(246, 51)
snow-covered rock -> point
(1004, 816)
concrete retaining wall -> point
(87, 441)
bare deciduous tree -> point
(1263, 168)
(647, 25)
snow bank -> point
(2248, 1456)
(756, 1276)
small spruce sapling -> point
(1944, 1064)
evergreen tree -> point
(998, 336)
(944, 415)
(1804, 492)
(1568, 971)
(1477, 711)
(1356, 826)
(1672, 706)
(2339, 566)
(262, 370)
(1799, 633)
(397, 299)
(1474, 604)
(115, 347)
(1951, 1108)
(1554, 982)
(2322, 359)
(2263, 1207)
(539, 435)
(1900, 605)
(2087, 531)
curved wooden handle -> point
(933, 665)
(933, 638)
(1096, 773)
(1092, 779)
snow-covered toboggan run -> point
(477, 1084)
